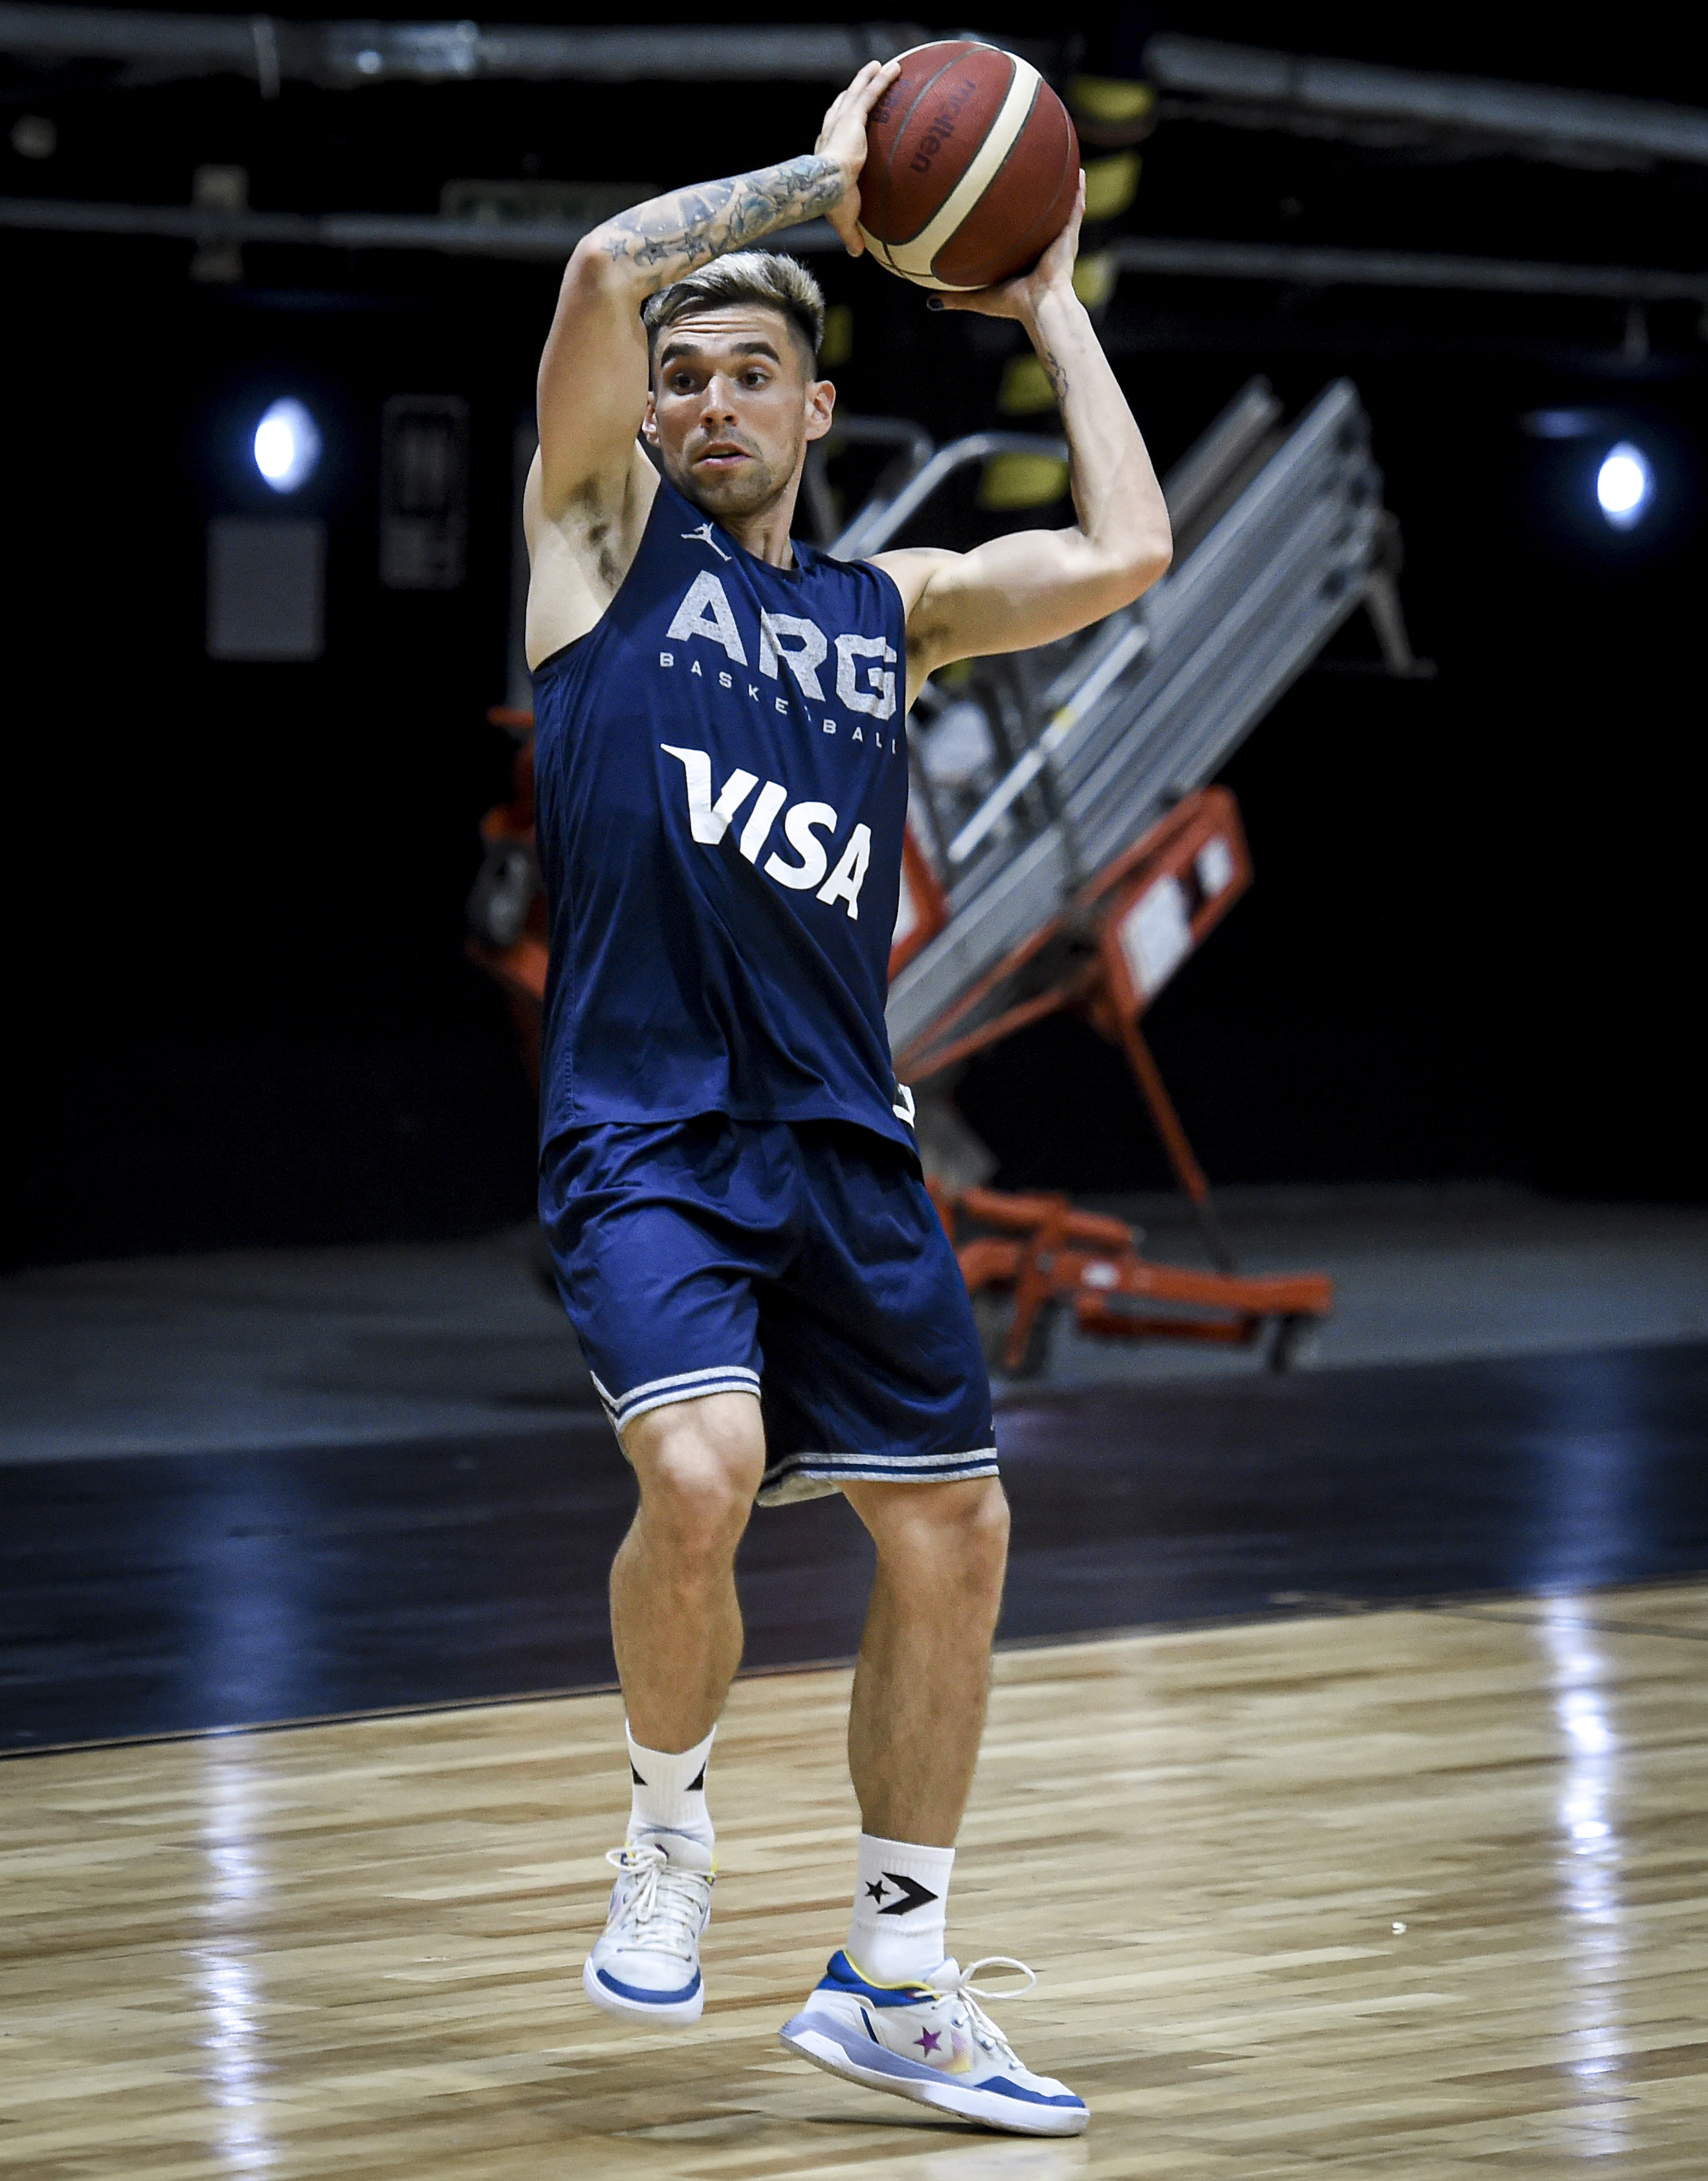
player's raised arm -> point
(592, 376)
(1034, 585)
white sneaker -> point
(933, 2042)
(645, 1964)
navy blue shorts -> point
(802, 1263)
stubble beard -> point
(753, 489)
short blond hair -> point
(745, 276)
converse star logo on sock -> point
(914, 1895)
(877, 1890)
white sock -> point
(899, 1909)
(668, 1803)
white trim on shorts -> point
(793, 1476)
(811, 1475)
(622, 1408)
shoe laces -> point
(960, 1986)
(665, 1904)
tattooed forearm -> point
(1055, 371)
(671, 235)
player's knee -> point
(699, 1473)
(953, 1534)
(695, 1512)
(970, 1542)
(985, 1533)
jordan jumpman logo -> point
(703, 535)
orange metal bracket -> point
(1106, 956)
(1043, 1250)
(1205, 824)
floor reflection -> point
(222, 1968)
(1589, 1865)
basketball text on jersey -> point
(865, 677)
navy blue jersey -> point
(721, 785)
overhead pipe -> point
(1285, 264)
(1339, 97)
(347, 56)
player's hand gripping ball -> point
(972, 167)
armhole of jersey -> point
(901, 614)
(901, 603)
(563, 650)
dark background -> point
(240, 1009)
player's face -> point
(732, 407)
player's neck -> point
(764, 533)
(766, 536)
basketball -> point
(972, 166)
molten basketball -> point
(971, 167)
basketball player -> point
(764, 1293)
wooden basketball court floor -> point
(1419, 1893)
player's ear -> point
(820, 404)
(649, 422)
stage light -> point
(287, 446)
(1624, 485)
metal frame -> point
(885, 517)
(1156, 698)
(1042, 1250)
(1079, 962)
